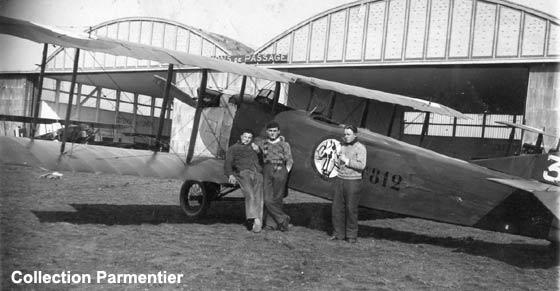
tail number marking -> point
(552, 173)
(384, 178)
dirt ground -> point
(84, 223)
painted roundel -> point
(326, 156)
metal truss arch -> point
(147, 30)
(417, 32)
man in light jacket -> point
(351, 163)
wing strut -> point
(197, 114)
(424, 128)
(70, 101)
(510, 140)
(37, 102)
(365, 112)
(242, 91)
(393, 115)
(511, 136)
(330, 107)
(276, 97)
(311, 93)
(167, 99)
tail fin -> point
(548, 195)
(537, 174)
(544, 168)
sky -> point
(252, 22)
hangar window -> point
(49, 89)
(63, 97)
(48, 95)
(479, 125)
(144, 99)
(65, 86)
(88, 96)
(125, 107)
(89, 102)
(158, 102)
(107, 99)
(106, 105)
(143, 110)
(64, 93)
(108, 94)
(49, 83)
(126, 97)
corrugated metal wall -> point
(543, 102)
(15, 99)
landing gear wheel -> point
(195, 198)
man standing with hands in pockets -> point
(277, 158)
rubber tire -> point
(204, 201)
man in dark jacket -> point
(242, 166)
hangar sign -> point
(256, 59)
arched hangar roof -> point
(389, 32)
(147, 30)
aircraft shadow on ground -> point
(311, 215)
(229, 210)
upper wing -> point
(415, 103)
(549, 195)
(46, 34)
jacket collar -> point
(350, 143)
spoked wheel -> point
(195, 198)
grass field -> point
(86, 223)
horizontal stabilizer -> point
(43, 120)
(523, 166)
(549, 195)
(525, 127)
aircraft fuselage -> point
(410, 180)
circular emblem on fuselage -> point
(326, 156)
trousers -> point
(251, 184)
(275, 179)
(345, 208)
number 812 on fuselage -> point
(382, 178)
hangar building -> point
(492, 59)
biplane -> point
(79, 131)
(516, 194)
